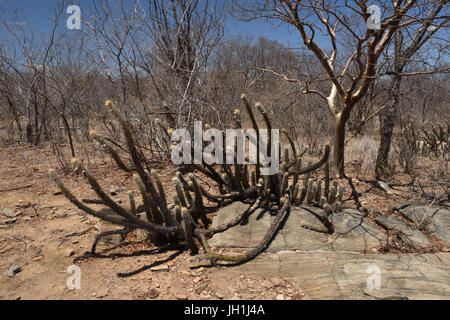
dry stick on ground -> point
(20, 239)
(18, 188)
(274, 227)
(355, 194)
(75, 234)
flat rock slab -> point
(430, 219)
(417, 238)
(352, 231)
(340, 265)
(344, 275)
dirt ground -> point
(50, 233)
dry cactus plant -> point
(185, 222)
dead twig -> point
(19, 239)
(18, 188)
(75, 234)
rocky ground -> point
(403, 255)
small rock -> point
(13, 271)
(8, 221)
(197, 280)
(385, 187)
(220, 295)
(10, 213)
(163, 267)
(277, 282)
(102, 293)
(114, 190)
(69, 252)
(60, 215)
(280, 297)
(181, 297)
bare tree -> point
(349, 74)
(161, 46)
(28, 65)
(407, 42)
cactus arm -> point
(281, 215)
(327, 179)
(130, 221)
(255, 127)
(110, 151)
(291, 142)
(318, 164)
(187, 228)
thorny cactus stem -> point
(126, 218)
(110, 151)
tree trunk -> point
(388, 115)
(29, 133)
(339, 144)
(69, 134)
(387, 122)
(15, 114)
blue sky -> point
(39, 19)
